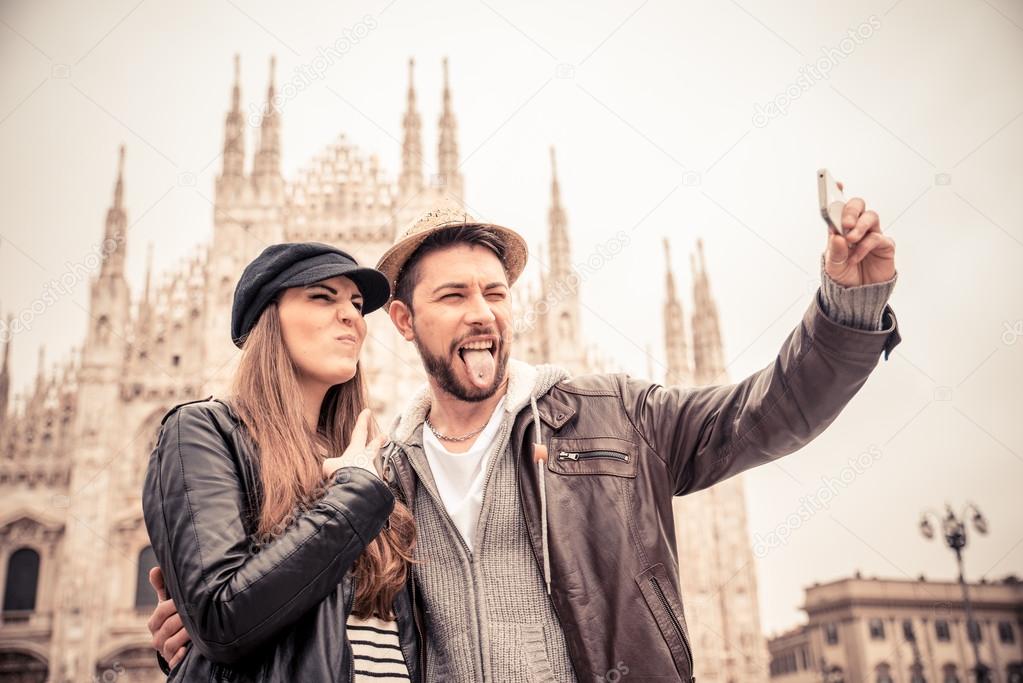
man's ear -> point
(401, 316)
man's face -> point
(461, 320)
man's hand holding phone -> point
(857, 252)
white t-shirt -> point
(459, 476)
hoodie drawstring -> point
(540, 458)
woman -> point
(285, 553)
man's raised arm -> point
(707, 434)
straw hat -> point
(448, 216)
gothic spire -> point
(119, 185)
(675, 343)
(669, 273)
(555, 188)
(708, 354)
(109, 296)
(145, 312)
(234, 130)
(149, 272)
(411, 180)
(560, 247)
(115, 231)
(447, 146)
(5, 370)
(41, 368)
(267, 165)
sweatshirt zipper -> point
(587, 455)
(439, 504)
(674, 620)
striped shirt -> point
(376, 652)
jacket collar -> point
(524, 380)
(554, 412)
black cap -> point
(296, 264)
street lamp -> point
(954, 529)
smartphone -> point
(831, 201)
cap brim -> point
(372, 283)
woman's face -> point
(323, 329)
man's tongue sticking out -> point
(481, 366)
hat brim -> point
(516, 251)
(372, 283)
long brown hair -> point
(269, 402)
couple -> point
(516, 525)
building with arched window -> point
(899, 631)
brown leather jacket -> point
(621, 448)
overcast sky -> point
(667, 122)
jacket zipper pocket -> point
(587, 455)
(674, 620)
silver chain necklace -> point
(442, 437)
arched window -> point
(23, 667)
(103, 329)
(145, 596)
(22, 581)
(834, 675)
(950, 674)
(876, 628)
(883, 673)
(565, 326)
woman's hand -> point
(170, 638)
(361, 449)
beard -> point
(442, 370)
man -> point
(543, 504)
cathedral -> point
(74, 553)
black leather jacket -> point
(273, 614)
